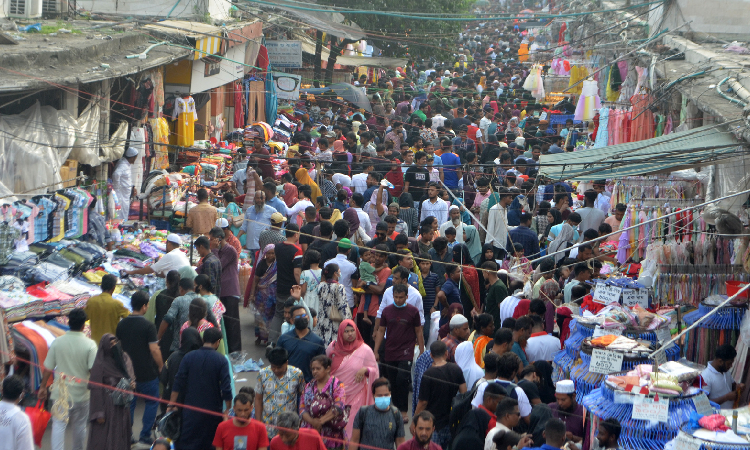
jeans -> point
(399, 374)
(232, 323)
(150, 388)
(78, 418)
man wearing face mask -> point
(301, 343)
(378, 425)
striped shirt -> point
(430, 283)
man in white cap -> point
(459, 326)
(122, 181)
(567, 409)
(229, 237)
(454, 220)
(174, 259)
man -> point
(423, 430)
(497, 228)
(138, 338)
(426, 234)
(366, 147)
(440, 383)
(204, 378)
(292, 437)
(437, 161)
(257, 219)
(15, 426)
(202, 217)
(571, 414)
(603, 197)
(103, 311)
(554, 435)
(515, 294)
(395, 177)
(261, 154)
(503, 341)
(379, 425)
(241, 432)
(615, 221)
(277, 389)
(408, 156)
(289, 261)
(440, 256)
(396, 135)
(230, 287)
(496, 291)
(591, 216)
(459, 332)
(229, 237)
(179, 311)
(401, 322)
(174, 259)
(521, 334)
(71, 354)
(382, 231)
(508, 416)
(357, 202)
(331, 249)
(523, 235)
(454, 220)
(400, 276)
(582, 273)
(273, 235)
(717, 380)
(417, 177)
(541, 346)
(507, 368)
(273, 200)
(462, 144)
(346, 267)
(452, 171)
(301, 343)
(122, 181)
(555, 147)
(209, 264)
(434, 206)
(359, 181)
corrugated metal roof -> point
(675, 150)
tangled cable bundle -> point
(61, 408)
(721, 328)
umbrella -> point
(482, 3)
(265, 129)
(348, 92)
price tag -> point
(606, 294)
(599, 331)
(651, 409)
(605, 361)
(686, 442)
(702, 405)
(624, 398)
(633, 297)
(663, 334)
(660, 357)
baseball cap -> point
(277, 217)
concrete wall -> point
(725, 17)
(185, 9)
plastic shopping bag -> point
(39, 418)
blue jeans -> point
(150, 388)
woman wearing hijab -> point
(562, 241)
(548, 292)
(473, 243)
(546, 386)
(513, 126)
(304, 178)
(357, 234)
(465, 360)
(354, 365)
(522, 308)
(291, 194)
(408, 213)
(470, 292)
(554, 217)
(263, 292)
(564, 316)
(191, 340)
(110, 424)
(514, 211)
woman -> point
(513, 126)
(341, 203)
(356, 234)
(231, 212)
(304, 178)
(197, 317)
(309, 279)
(110, 425)
(562, 241)
(206, 291)
(408, 213)
(291, 194)
(322, 404)
(488, 254)
(263, 293)
(470, 294)
(548, 292)
(465, 360)
(564, 316)
(483, 335)
(554, 217)
(331, 296)
(473, 243)
(522, 309)
(539, 222)
(191, 340)
(354, 364)
(546, 385)
(162, 303)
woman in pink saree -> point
(354, 364)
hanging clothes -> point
(602, 133)
(588, 102)
(186, 115)
(642, 127)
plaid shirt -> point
(424, 362)
(451, 342)
(329, 190)
(8, 236)
(526, 237)
(41, 223)
(211, 265)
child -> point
(450, 234)
(434, 174)
(367, 275)
(517, 263)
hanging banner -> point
(285, 54)
(287, 85)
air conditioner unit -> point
(26, 9)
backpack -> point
(460, 406)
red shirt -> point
(397, 180)
(493, 419)
(250, 437)
(308, 439)
(412, 444)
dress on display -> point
(186, 115)
(588, 102)
(602, 134)
(642, 126)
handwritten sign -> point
(606, 294)
(702, 405)
(633, 297)
(605, 361)
(599, 331)
(663, 334)
(660, 357)
(685, 442)
(286, 54)
(651, 409)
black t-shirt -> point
(530, 389)
(439, 386)
(307, 229)
(417, 177)
(288, 258)
(136, 333)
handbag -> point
(236, 221)
(334, 315)
(123, 393)
(339, 422)
(39, 418)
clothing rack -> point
(691, 284)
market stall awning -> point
(308, 46)
(328, 22)
(205, 38)
(661, 154)
(348, 92)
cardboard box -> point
(68, 172)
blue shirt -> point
(256, 222)
(524, 236)
(278, 204)
(424, 362)
(554, 148)
(519, 351)
(543, 447)
(452, 292)
(451, 162)
(301, 351)
(463, 147)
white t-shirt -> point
(718, 384)
(488, 444)
(343, 179)
(542, 348)
(15, 428)
(359, 182)
(298, 208)
(173, 260)
(523, 401)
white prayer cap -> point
(175, 239)
(130, 152)
(565, 387)
(458, 320)
(222, 223)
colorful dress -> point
(265, 298)
(317, 403)
(330, 295)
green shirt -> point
(72, 354)
(495, 295)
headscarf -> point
(348, 192)
(291, 196)
(546, 386)
(549, 290)
(566, 315)
(465, 359)
(482, 259)
(522, 308)
(461, 255)
(111, 361)
(465, 216)
(341, 349)
(514, 212)
(557, 216)
(406, 200)
(350, 215)
(265, 250)
(304, 178)
(473, 243)
(338, 147)
(567, 234)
